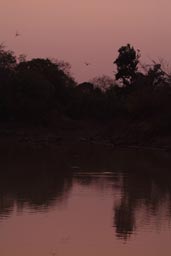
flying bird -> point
(87, 63)
(17, 34)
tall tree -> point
(127, 64)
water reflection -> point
(141, 198)
(37, 191)
(145, 193)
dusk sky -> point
(80, 31)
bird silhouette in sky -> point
(17, 34)
(87, 63)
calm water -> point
(116, 205)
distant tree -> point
(52, 72)
(8, 64)
(102, 82)
(22, 58)
(127, 63)
(56, 72)
(156, 76)
(62, 65)
(7, 59)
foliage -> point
(102, 82)
(127, 62)
(32, 95)
(31, 90)
(156, 75)
(7, 59)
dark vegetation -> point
(135, 107)
(132, 109)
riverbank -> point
(118, 134)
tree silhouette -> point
(7, 59)
(127, 62)
(103, 82)
(31, 96)
(156, 75)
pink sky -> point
(81, 31)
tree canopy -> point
(127, 64)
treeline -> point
(41, 90)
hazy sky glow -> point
(86, 30)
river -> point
(106, 203)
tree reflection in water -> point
(144, 197)
(33, 190)
(146, 193)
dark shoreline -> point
(70, 132)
